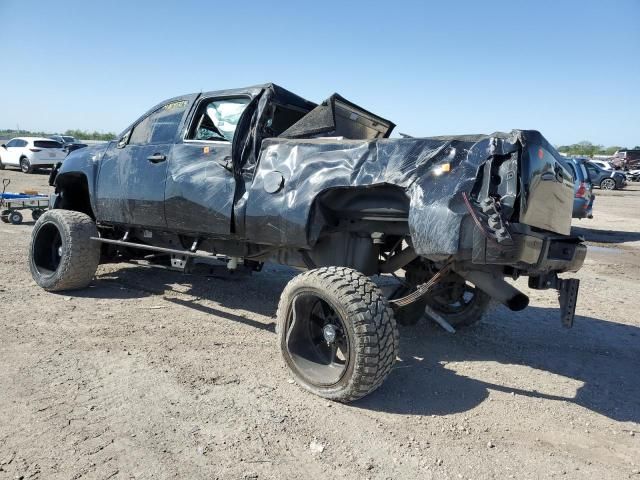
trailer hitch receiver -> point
(567, 294)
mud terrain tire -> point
(61, 254)
(364, 322)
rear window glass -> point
(47, 144)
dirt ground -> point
(152, 374)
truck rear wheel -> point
(337, 333)
(457, 301)
(62, 255)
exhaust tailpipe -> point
(497, 288)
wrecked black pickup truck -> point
(259, 174)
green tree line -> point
(78, 134)
(588, 149)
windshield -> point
(68, 139)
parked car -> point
(69, 143)
(260, 174)
(63, 139)
(626, 159)
(583, 189)
(601, 163)
(632, 175)
(605, 179)
(31, 153)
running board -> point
(142, 246)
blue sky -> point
(570, 69)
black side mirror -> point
(122, 142)
(3, 146)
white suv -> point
(30, 153)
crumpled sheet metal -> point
(310, 167)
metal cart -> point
(11, 203)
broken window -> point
(218, 119)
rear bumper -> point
(531, 252)
(42, 164)
(44, 161)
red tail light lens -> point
(35, 149)
(582, 189)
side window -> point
(161, 126)
(12, 143)
(21, 143)
(217, 119)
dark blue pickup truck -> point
(259, 174)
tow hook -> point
(567, 294)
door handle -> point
(157, 158)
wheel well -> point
(73, 191)
(382, 201)
(352, 226)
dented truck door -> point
(131, 180)
(200, 185)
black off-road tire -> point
(4, 216)
(473, 314)
(369, 323)
(25, 165)
(78, 257)
(412, 313)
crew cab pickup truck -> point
(259, 174)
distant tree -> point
(587, 149)
(610, 150)
(85, 135)
(79, 134)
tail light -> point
(35, 149)
(582, 189)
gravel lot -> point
(151, 374)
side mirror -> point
(122, 142)
(3, 146)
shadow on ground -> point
(602, 355)
(605, 236)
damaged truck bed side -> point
(259, 174)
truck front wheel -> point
(62, 255)
(337, 333)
